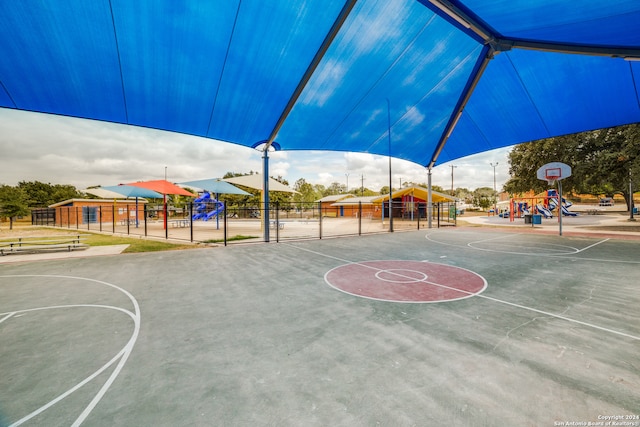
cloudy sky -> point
(84, 153)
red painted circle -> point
(406, 281)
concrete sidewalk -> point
(89, 252)
(583, 224)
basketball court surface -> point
(472, 327)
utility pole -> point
(452, 168)
(347, 175)
(362, 185)
(495, 193)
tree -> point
(255, 200)
(41, 195)
(13, 203)
(483, 197)
(603, 162)
(305, 195)
(335, 188)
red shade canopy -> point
(163, 187)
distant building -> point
(85, 211)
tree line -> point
(603, 162)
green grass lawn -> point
(135, 245)
(93, 239)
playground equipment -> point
(544, 204)
(207, 207)
(553, 203)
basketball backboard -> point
(554, 171)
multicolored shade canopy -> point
(216, 186)
(447, 78)
(163, 187)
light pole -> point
(495, 206)
(347, 175)
(452, 168)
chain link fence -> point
(227, 225)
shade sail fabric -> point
(133, 191)
(104, 194)
(422, 80)
(256, 182)
(122, 192)
(163, 187)
(216, 186)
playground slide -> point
(213, 213)
(544, 211)
(566, 212)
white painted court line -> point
(569, 255)
(535, 310)
(121, 356)
(402, 276)
(7, 316)
(595, 244)
(557, 316)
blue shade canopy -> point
(423, 80)
(216, 186)
(131, 191)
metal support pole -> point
(560, 205)
(631, 218)
(390, 184)
(265, 192)
(429, 199)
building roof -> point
(421, 193)
(427, 80)
(335, 198)
(98, 201)
(354, 201)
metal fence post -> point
(360, 218)
(224, 232)
(191, 219)
(320, 219)
(277, 223)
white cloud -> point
(61, 150)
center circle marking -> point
(400, 275)
(406, 281)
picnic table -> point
(182, 223)
(274, 224)
(35, 244)
(593, 211)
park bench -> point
(36, 244)
(182, 223)
(279, 224)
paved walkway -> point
(89, 252)
(583, 224)
(264, 335)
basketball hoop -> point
(555, 172)
(552, 175)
